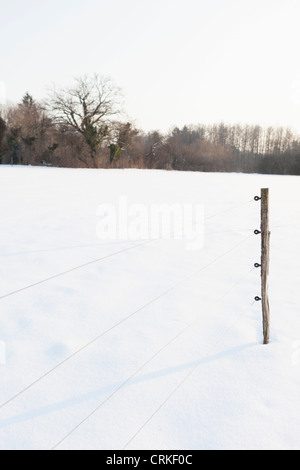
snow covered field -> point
(158, 346)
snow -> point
(215, 386)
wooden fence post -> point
(265, 261)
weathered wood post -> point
(265, 262)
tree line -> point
(81, 127)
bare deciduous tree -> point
(88, 108)
(2, 133)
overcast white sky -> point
(177, 61)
